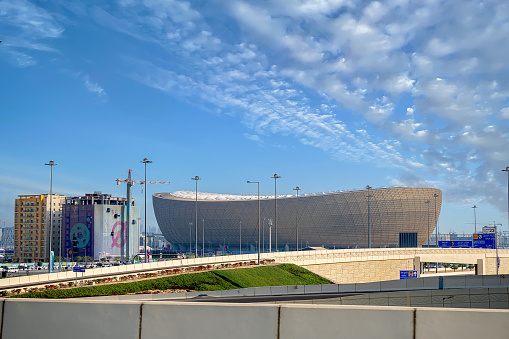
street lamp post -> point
(275, 177)
(263, 235)
(145, 161)
(196, 178)
(475, 219)
(427, 203)
(190, 238)
(51, 164)
(269, 223)
(507, 170)
(203, 238)
(436, 226)
(259, 233)
(296, 218)
(240, 240)
(369, 225)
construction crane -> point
(125, 230)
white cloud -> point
(94, 87)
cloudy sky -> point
(328, 94)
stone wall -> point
(362, 271)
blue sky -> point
(328, 94)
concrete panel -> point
(58, 319)
(312, 289)
(504, 280)
(24, 279)
(392, 285)
(474, 324)
(430, 282)
(414, 284)
(368, 287)
(205, 320)
(320, 321)
(299, 289)
(474, 281)
(278, 290)
(330, 288)
(177, 295)
(491, 280)
(262, 290)
(454, 282)
(346, 288)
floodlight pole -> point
(259, 233)
(145, 161)
(507, 170)
(369, 225)
(196, 178)
(275, 177)
(51, 164)
(427, 203)
(296, 218)
(475, 219)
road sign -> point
(455, 244)
(484, 241)
(489, 229)
(78, 269)
(407, 274)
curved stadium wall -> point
(337, 220)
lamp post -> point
(427, 203)
(275, 177)
(269, 223)
(436, 226)
(145, 161)
(240, 240)
(51, 163)
(258, 183)
(203, 238)
(190, 237)
(196, 178)
(369, 226)
(296, 218)
(507, 170)
(475, 219)
(263, 235)
(436, 219)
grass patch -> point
(280, 275)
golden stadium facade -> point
(331, 220)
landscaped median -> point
(215, 280)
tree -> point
(454, 267)
(445, 266)
(78, 259)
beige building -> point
(31, 226)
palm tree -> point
(445, 266)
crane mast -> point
(125, 229)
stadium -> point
(331, 220)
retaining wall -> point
(80, 319)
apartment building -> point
(32, 222)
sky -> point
(330, 95)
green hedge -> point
(281, 275)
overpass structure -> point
(85, 318)
(342, 266)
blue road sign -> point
(407, 274)
(484, 241)
(78, 269)
(455, 244)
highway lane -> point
(262, 299)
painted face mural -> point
(82, 234)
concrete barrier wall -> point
(79, 319)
